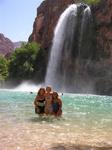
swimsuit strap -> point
(41, 101)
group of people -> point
(47, 102)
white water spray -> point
(27, 87)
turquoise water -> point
(86, 119)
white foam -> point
(28, 87)
(25, 87)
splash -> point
(27, 87)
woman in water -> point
(40, 102)
(48, 101)
(56, 105)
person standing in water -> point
(48, 101)
(56, 105)
(40, 102)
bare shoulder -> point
(37, 97)
(48, 94)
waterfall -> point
(68, 46)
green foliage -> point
(3, 68)
(40, 65)
(91, 1)
(28, 62)
(22, 61)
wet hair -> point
(48, 87)
(41, 89)
(56, 94)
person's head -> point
(41, 92)
(55, 95)
(48, 89)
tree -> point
(3, 68)
(22, 61)
(40, 65)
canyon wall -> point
(100, 68)
(47, 16)
(6, 45)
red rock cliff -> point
(103, 17)
(49, 12)
(47, 15)
(101, 67)
(6, 45)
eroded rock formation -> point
(47, 16)
(6, 45)
(103, 18)
(49, 11)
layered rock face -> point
(18, 44)
(103, 67)
(47, 16)
(6, 45)
(103, 18)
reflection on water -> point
(86, 123)
(49, 119)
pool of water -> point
(86, 120)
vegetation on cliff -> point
(91, 1)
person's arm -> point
(60, 103)
(36, 100)
(60, 108)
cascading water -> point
(71, 43)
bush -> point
(3, 68)
(40, 65)
(28, 63)
(91, 1)
(22, 61)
